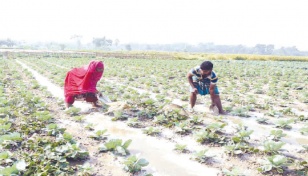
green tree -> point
(77, 39)
(128, 47)
(102, 42)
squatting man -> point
(203, 80)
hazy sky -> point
(248, 22)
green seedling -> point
(285, 124)
(78, 118)
(182, 128)
(242, 136)
(99, 135)
(72, 151)
(85, 170)
(196, 120)
(118, 115)
(272, 147)
(202, 156)
(180, 148)
(133, 164)
(151, 131)
(239, 148)
(232, 172)
(276, 162)
(304, 130)
(276, 135)
(116, 146)
(5, 128)
(73, 111)
(263, 120)
(12, 137)
(134, 122)
(53, 129)
(89, 126)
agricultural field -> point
(146, 129)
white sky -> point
(248, 22)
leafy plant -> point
(43, 116)
(239, 148)
(219, 119)
(5, 128)
(14, 169)
(233, 172)
(151, 131)
(209, 136)
(72, 151)
(67, 137)
(78, 118)
(304, 130)
(263, 120)
(274, 113)
(10, 138)
(118, 115)
(4, 120)
(85, 170)
(216, 127)
(196, 120)
(287, 111)
(175, 115)
(285, 124)
(276, 162)
(133, 164)
(180, 148)
(305, 147)
(161, 119)
(116, 146)
(202, 156)
(53, 129)
(89, 126)
(134, 122)
(303, 118)
(182, 128)
(242, 112)
(301, 167)
(5, 157)
(99, 135)
(242, 136)
(73, 111)
(276, 135)
(272, 147)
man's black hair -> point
(206, 65)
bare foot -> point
(212, 106)
(191, 110)
(214, 109)
(67, 105)
(223, 113)
(95, 105)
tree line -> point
(107, 44)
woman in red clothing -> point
(81, 83)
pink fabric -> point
(82, 80)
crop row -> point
(148, 111)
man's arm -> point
(190, 80)
(212, 92)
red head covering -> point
(83, 80)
